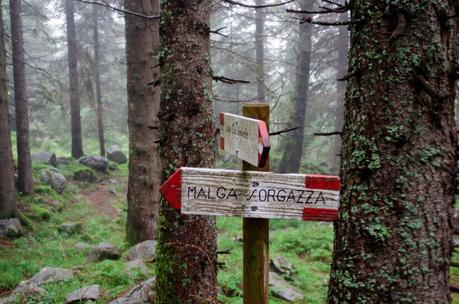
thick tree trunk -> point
(343, 51)
(186, 262)
(260, 52)
(25, 183)
(293, 142)
(393, 239)
(100, 107)
(77, 142)
(7, 190)
(144, 94)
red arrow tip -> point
(172, 189)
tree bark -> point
(7, 189)
(142, 47)
(100, 107)
(260, 52)
(186, 261)
(341, 71)
(25, 183)
(392, 238)
(77, 142)
(293, 142)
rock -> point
(281, 289)
(85, 175)
(104, 251)
(56, 180)
(145, 251)
(81, 246)
(116, 155)
(88, 293)
(136, 265)
(10, 228)
(27, 288)
(70, 228)
(97, 163)
(141, 294)
(51, 274)
(281, 265)
(45, 157)
(62, 161)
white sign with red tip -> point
(253, 194)
(246, 138)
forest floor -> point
(101, 208)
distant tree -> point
(100, 107)
(144, 94)
(77, 141)
(393, 236)
(260, 51)
(7, 189)
(25, 182)
(186, 254)
(293, 141)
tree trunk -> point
(144, 94)
(100, 108)
(7, 190)
(25, 183)
(77, 142)
(392, 238)
(186, 262)
(260, 52)
(293, 142)
(343, 51)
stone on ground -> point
(45, 157)
(51, 274)
(53, 178)
(64, 161)
(85, 175)
(281, 289)
(145, 251)
(10, 228)
(97, 163)
(143, 293)
(136, 265)
(88, 293)
(282, 266)
(70, 228)
(104, 251)
(116, 155)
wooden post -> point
(256, 232)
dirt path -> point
(102, 199)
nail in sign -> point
(253, 194)
(246, 138)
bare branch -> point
(339, 133)
(256, 6)
(325, 23)
(283, 131)
(120, 10)
(229, 80)
(217, 31)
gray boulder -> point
(104, 251)
(51, 274)
(136, 265)
(88, 293)
(85, 175)
(97, 163)
(143, 293)
(70, 228)
(23, 291)
(282, 266)
(45, 157)
(53, 178)
(10, 228)
(145, 251)
(281, 289)
(64, 161)
(116, 155)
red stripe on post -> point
(222, 143)
(322, 182)
(263, 141)
(172, 189)
(318, 214)
(222, 119)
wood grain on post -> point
(256, 231)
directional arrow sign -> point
(247, 138)
(253, 194)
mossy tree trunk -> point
(144, 94)
(25, 182)
(77, 141)
(7, 189)
(186, 256)
(393, 239)
(293, 141)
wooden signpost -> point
(253, 193)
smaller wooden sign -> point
(246, 138)
(253, 194)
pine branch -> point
(256, 6)
(229, 80)
(120, 10)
